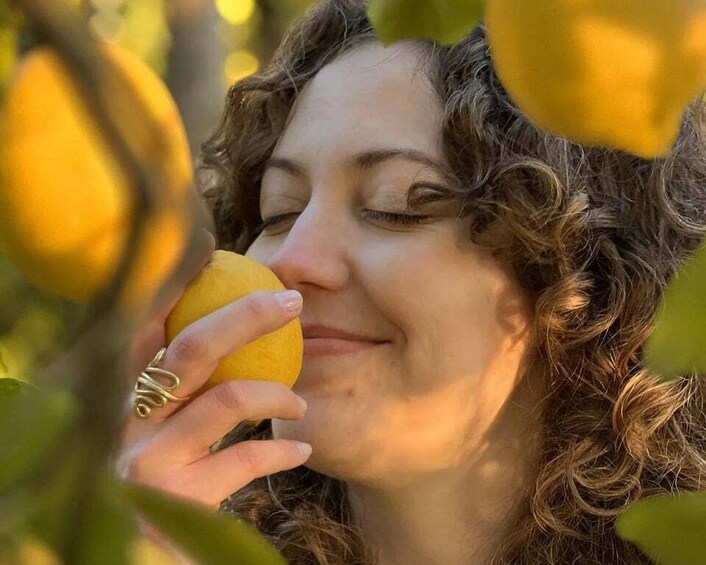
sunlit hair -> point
(592, 234)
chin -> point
(333, 455)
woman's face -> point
(450, 321)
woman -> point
(498, 284)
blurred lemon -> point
(65, 203)
(618, 74)
(144, 551)
(227, 277)
(30, 551)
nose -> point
(315, 252)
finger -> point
(238, 465)
(197, 350)
(150, 337)
(188, 434)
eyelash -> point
(398, 219)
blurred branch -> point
(98, 380)
(270, 34)
(95, 362)
(195, 69)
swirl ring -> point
(152, 393)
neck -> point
(457, 515)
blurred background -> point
(199, 48)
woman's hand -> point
(170, 449)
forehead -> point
(371, 97)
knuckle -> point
(257, 305)
(179, 483)
(284, 395)
(250, 457)
(230, 396)
(189, 347)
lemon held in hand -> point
(65, 202)
(227, 277)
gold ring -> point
(150, 392)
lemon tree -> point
(65, 209)
(66, 212)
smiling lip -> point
(322, 340)
(333, 346)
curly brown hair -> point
(593, 235)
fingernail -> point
(305, 448)
(290, 300)
(301, 402)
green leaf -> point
(678, 343)
(16, 508)
(52, 520)
(445, 21)
(207, 536)
(670, 530)
(30, 425)
(81, 513)
(10, 388)
(108, 527)
(3, 368)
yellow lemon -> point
(602, 72)
(276, 356)
(144, 551)
(29, 551)
(65, 203)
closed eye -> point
(403, 219)
(389, 217)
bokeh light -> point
(138, 25)
(235, 12)
(233, 37)
(34, 333)
(108, 4)
(106, 24)
(147, 32)
(240, 64)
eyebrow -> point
(368, 160)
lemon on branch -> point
(65, 202)
(602, 72)
(276, 356)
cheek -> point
(258, 251)
(445, 306)
(408, 268)
(399, 281)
